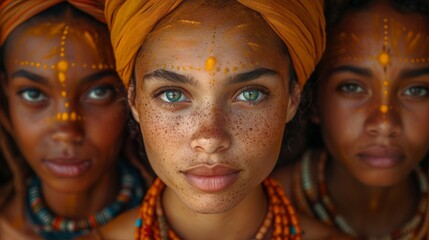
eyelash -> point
(265, 92)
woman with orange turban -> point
(212, 85)
(59, 95)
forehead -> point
(367, 32)
(49, 41)
(213, 30)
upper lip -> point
(380, 151)
(209, 170)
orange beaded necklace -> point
(153, 225)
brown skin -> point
(380, 114)
(211, 122)
(59, 123)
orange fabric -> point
(14, 12)
(299, 23)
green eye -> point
(173, 96)
(251, 95)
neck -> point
(394, 205)
(82, 204)
(189, 224)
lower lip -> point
(380, 162)
(212, 183)
(68, 169)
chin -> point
(214, 204)
(379, 179)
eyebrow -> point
(239, 78)
(30, 76)
(252, 75)
(413, 73)
(169, 76)
(98, 75)
(352, 69)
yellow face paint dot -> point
(61, 76)
(58, 116)
(73, 116)
(385, 83)
(384, 108)
(66, 104)
(210, 63)
(62, 66)
(63, 93)
(65, 116)
(384, 59)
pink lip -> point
(211, 178)
(67, 167)
(381, 156)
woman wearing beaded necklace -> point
(372, 108)
(212, 85)
(63, 122)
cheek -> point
(106, 126)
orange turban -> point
(299, 23)
(14, 12)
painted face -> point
(65, 113)
(212, 99)
(374, 94)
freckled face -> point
(211, 106)
(374, 94)
(61, 91)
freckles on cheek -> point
(261, 134)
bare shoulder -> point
(283, 175)
(120, 228)
(316, 230)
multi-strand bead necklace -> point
(50, 226)
(280, 218)
(314, 198)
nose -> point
(210, 135)
(67, 128)
(384, 120)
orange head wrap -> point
(299, 23)
(14, 12)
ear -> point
(132, 101)
(293, 103)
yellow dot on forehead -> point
(384, 108)
(62, 66)
(210, 63)
(384, 58)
